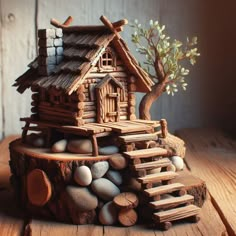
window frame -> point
(110, 57)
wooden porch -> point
(124, 130)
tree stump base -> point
(193, 186)
(41, 180)
(40, 177)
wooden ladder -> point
(164, 210)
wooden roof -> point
(83, 46)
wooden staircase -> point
(178, 205)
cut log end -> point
(166, 225)
(127, 217)
(39, 188)
(126, 200)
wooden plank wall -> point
(18, 26)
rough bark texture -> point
(59, 173)
(193, 186)
(174, 145)
(148, 99)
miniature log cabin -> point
(94, 82)
(86, 153)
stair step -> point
(169, 188)
(153, 178)
(145, 153)
(171, 202)
(137, 138)
(176, 213)
(152, 164)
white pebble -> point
(177, 162)
(59, 146)
(83, 176)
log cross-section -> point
(39, 188)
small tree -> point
(163, 62)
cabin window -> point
(107, 60)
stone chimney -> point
(50, 50)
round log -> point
(131, 109)
(132, 87)
(127, 217)
(126, 200)
(80, 89)
(80, 105)
(79, 122)
(132, 102)
(81, 97)
(39, 188)
(132, 117)
(35, 96)
(34, 109)
(131, 95)
(166, 225)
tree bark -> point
(149, 98)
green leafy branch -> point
(163, 56)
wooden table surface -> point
(210, 155)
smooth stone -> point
(82, 146)
(59, 146)
(105, 189)
(38, 142)
(81, 198)
(177, 162)
(99, 169)
(115, 177)
(108, 214)
(154, 171)
(83, 176)
(118, 162)
(108, 150)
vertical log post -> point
(164, 130)
(95, 145)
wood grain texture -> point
(11, 218)
(210, 223)
(43, 228)
(11, 221)
(211, 156)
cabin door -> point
(108, 100)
